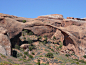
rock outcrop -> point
(70, 31)
(5, 45)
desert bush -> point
(57, 48)
(40, 56)
(26, 31)
(17, 47)
(52, 50)
(24, 21)
(24, 38)
(30, 33)
(75, 59)
(33, 53)
(24, 56)
(82, 61)
(26, 53)
(30, 56)
(77, 62)
(44, 42)
(29, 41)
(67, 55)
(18, 55)
(84, 56)
(60, 46)
(54, 38)
(49, 55)
(38, 62)
(3, 56)
(31, 47)
(21, 49)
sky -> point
(35, 8)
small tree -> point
(49, 55)
(30, 48)
(38, 62)
(84, 56)
(24, 21)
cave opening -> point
(16, 40)
(67, 40)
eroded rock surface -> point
(69, 31)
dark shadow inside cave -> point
(67, 40)
(16, 40)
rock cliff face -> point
(5, 45)
(70, 31)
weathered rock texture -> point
(70, 31)
(5, 45)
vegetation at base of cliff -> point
(41, 49)
(17, 46)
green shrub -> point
(67, 55)
(54, 38)
(26, 31)
(38, 62)
(30, 56)
(77, 62)
(47, 50)
(21, 49)
(29, 41)
(17, 47)
(24, 38)
(3, 56)
(49, 55)
(60, 46)
(26, 53)
(40, 56)
(33, 53)
(31, 47)
(84, 56)
(30, 33)
(24, 56)
(45, 36)
(52, 50)
(82, 61)
(24, 21)
(44, 42)
(57, 48)
(18, 55)
(75, 59)
(23, 33)
(10, 60)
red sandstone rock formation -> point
(69, 31)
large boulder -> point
(5, 44)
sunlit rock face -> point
(5, 45)
(70, 31)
